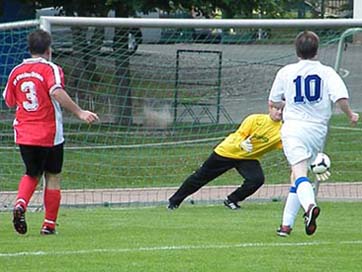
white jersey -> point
(308, 88)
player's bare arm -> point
(66, 102)
(343, 104)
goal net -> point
(167, 91)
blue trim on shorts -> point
(293, 189)
(299, 181)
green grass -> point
(169, 165)
(192, 238)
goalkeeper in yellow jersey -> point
(242, 150)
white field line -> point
(170, 248)
(346, 128)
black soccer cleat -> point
(19, 220)
(284, 231)
(172, 206)
(231, 205)
(47, 231)
(310, 219)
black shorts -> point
(38, 159)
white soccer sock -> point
(305, 193)
(291, 209)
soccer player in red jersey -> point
(36, 88)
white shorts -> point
(302, 140)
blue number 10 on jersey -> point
(310, 91)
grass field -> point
(192, 238)
(169, 164)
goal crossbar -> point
(11, 25)
(47, 21)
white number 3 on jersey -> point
(31, 104)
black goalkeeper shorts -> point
(38, 159)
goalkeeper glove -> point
(323, 176)
(247, 145)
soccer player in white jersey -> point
(36, 88)
(308, 88)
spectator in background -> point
(197, 13)
(217, 14)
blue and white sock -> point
(291, 208)
(305, 192)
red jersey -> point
(38, 118)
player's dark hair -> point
(306, 44)
(39, 41)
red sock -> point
(27, 186)
(51, 205)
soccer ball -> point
(321, 164)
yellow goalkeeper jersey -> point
(265, 137)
